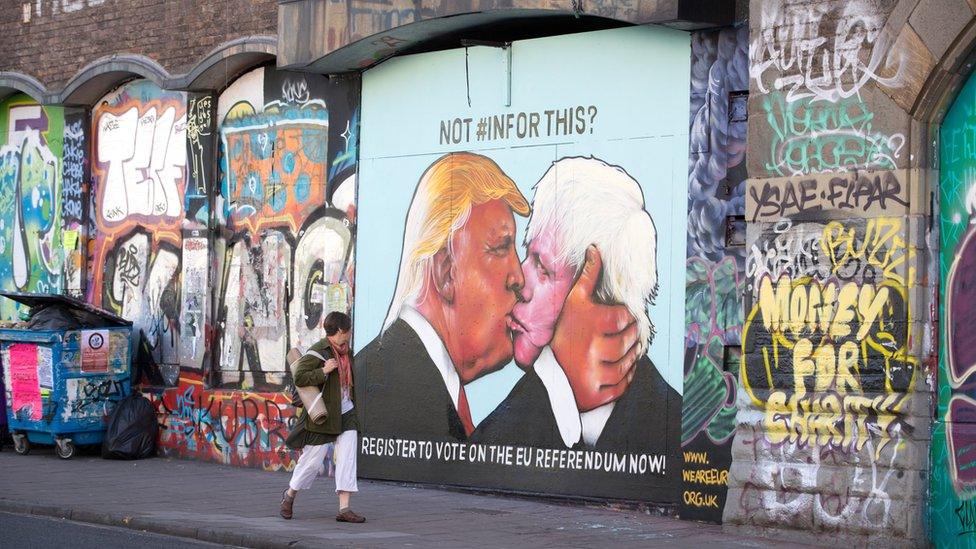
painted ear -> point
(443, 273)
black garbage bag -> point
(52, 317)
(62, 317)
(131, 430)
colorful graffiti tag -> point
(287, 211)
(231, 427)
(30, 206)
(952, 509)
(828, 407)
(139, 183)
(714, 281)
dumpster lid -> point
(35, 300)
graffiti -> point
(287, 261)
(92, 398)
(141, 160)
(30, 208)
(953, 484)
(295, 91)
(275, 167)
(863, 193)
(812, 65)
(833, 361)
(139, 183)
(717, 146)
(230, 427)
(713, 277)
(861, 498)
(868, 250)
(821, 137)
(712, 320)
(199, 129)
(43, 8)
(74, 172)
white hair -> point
(584, 201)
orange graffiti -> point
(276, 172)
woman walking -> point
(328, 365)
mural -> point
(714, 269)
(31, 260)
(286, 210)
(952, 507)
(139, 187)
(528, 337)
(277, 261)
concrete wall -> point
(835, 416)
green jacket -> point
(308, 372)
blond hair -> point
(441, 205)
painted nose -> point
(515, 280)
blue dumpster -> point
(62, 384)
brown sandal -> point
(349, 516)
(287, 503)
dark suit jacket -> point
(646, 419)
(401, 392)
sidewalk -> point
(240, 507)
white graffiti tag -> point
(145, 157)
(808, 63)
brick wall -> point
(65, 35)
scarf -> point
(345, 369)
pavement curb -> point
(212, 535)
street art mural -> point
(139, 186)
(237, 428)
(952, 509)
(827, 405)
(714, 269)
(277, 262)
(530, 339)
(288, 147)
(31, 259)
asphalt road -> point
(30, 532)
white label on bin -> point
(45, 367)
(94, 350)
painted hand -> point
(595, 344)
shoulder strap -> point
(316, 355)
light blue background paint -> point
(638, 78)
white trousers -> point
(312, 464)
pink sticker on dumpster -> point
(24, 386)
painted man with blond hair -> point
(450, 318)
(447, 325)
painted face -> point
(547, 283)
(487, 277)
(339, 342)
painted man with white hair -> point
(588, 231)
(448, 323)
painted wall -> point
(31, 257)
(953, 513)
(278, 258)
(528, 186)
(715, 269)
(833, 407)
(139, 181)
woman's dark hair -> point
(336, 322)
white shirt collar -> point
(435, 348)
(572, 424)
